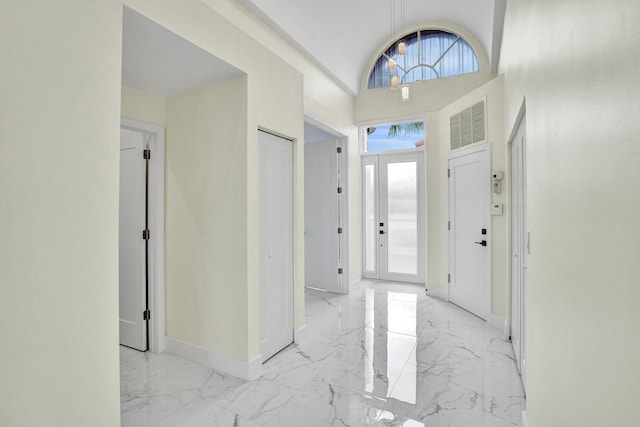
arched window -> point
(430, 54)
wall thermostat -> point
(497, 177)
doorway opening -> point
(160, 65)
(326, 194)
(142, 236)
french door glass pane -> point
(402, 218)
(370, 218)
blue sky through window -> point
(380, 141)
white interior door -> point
(276, 243)
(518, 246)
(133, 277)
(393, 209)
(470, 231)
(321, 216)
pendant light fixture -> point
(392, 64)
(395, 82)
(401, 49)
(405, 93)
(402, 45)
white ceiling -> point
(160, 62)
(313, 133)
(343, 35)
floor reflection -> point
(385, 355)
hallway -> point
(385, 355)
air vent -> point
(468, 126)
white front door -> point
(518, 246)
(470, 230)
(133, 218)
(275, 158)
(393, 222)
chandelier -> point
(401, 50)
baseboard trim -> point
(300, 334)
(435, 291)
(499, 323)
(245, 369)
(524, 419)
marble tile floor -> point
(385, 355)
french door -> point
(393, 217)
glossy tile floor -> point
(385, 355)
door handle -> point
(483, 243)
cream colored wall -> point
(206, 231)
(59, 154)
(142, 106)
(577, 64)
(438, 151)
(274, 102)
(325, 101)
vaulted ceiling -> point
(342, 36)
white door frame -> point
(454, 155)
(376, 159)
(156, 226)
(343, 214)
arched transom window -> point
(429, 54)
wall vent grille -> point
(468, 126)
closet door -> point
(276, 243)
(519, 250)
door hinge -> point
(448, 278)
(146, 234)
(146, 154)
(339, 190)
(339, 230)
(448, 225)
(339, 150)
(340, 271)
(448, 173)
(146, 315)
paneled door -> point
(470, 230)
(393, 222)
(133, 248)
(519, 252)
(275, 156)
(322, 216)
